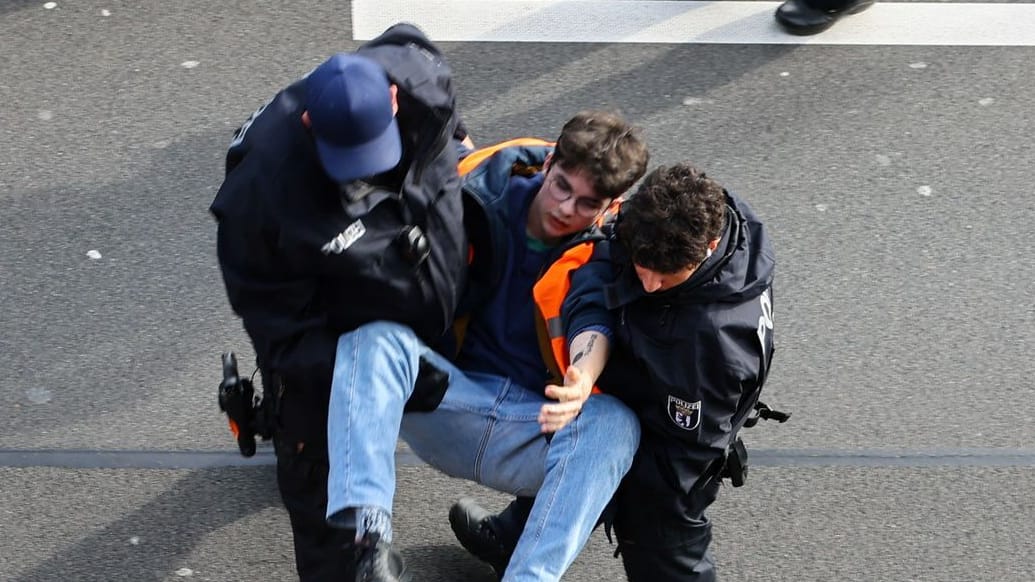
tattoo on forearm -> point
(584, 351)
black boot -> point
(814, 16)
(490, 538)
(379, 562)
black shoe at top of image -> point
(379, 562)
(480, 533)
(806, 17)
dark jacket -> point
(487, 216)
(283, 224)
(692, 360)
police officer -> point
(684, 285)
(341, 206)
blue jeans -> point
(485, 430)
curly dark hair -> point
(610, 151)
(667, 224)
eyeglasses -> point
(560, 190)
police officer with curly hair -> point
(684, 288)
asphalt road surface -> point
(896, 180)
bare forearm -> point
(589, 351)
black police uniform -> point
(297, 285)
(691, 362)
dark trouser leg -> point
(691, 561)
(322, 553)
(662, 531)
(512, 519)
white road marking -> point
(165, 460)
(689, 22)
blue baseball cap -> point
(350, 107)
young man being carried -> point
(496, 423)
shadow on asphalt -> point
(174, 523)
(9, 6)
(445, 562)
(210, 520)
(644, 81)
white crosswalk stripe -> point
(674, 21)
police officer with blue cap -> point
(341, 206)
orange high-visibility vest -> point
(475, 158)
(549, 293)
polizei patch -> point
(686, 415)
(345, 239)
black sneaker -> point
(379, 562)
(479, 532)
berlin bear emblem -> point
(686, 415)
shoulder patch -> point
(686, 415)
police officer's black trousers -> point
(660, 523)
(322, 553)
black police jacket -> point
(690, 361)
(298, 268)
